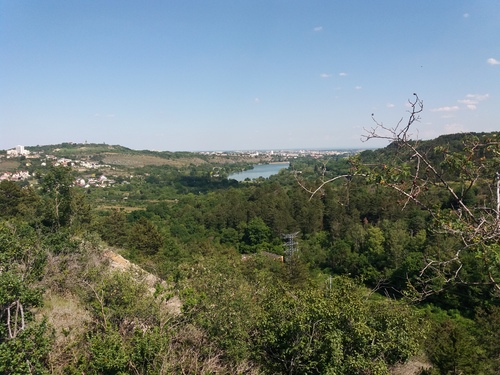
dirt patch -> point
(413, 367)
(120, 208)
(118, 262)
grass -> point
(9, 165)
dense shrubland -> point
(353, 299)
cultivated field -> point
(8, 165)
(138, 161)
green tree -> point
(56, 187)
(222, 302)
(489, 337)
(145, 237)
(62, 205)
(16, 201)
(452, 349)
(334, 331)
(256, 236)
(24, 343)
(374, 242)
(445, 180)
(113, 228)
(11, 195)
(108, 354)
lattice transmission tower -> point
(291, 246)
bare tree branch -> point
(313, 192)
(477, 227)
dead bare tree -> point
(478, 227)
(16, 323)
(417, 176)
(324, 180)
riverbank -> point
(259, 170)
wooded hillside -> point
(397, 259)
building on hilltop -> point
(17, 151)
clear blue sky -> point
(241, 74)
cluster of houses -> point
(21, 151)
(282, 155)
(101, 181)
(80, 165)
(15, 176)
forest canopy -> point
(340, 265)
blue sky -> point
(240, 74)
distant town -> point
(46, 159)
(287, 154)
(85, 165)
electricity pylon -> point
(291, 246)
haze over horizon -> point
(243, 75)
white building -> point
(17, 151)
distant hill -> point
(123, 156)
(117, 155)
(451, 143)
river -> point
(259, 170)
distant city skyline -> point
(236, 75)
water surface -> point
(259, 170)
